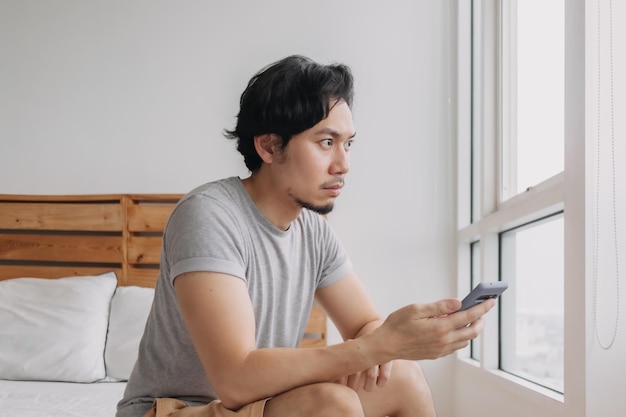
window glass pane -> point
(475, 256)
(532, 308)
(533, 93)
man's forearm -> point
(268, 372)
(368, 328)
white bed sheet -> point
(59, 399)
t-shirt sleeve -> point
(337, 263)
(200, 237)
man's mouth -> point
(334, 189)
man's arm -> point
(218, 313)
(219, 316)
(349, 307)
(352, 311)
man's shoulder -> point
(209, 199)
(224, 191)
(216, 188)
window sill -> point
(497, 381)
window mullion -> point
(489, 107)
(489, 88)
(489, 267)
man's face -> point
(315, 162)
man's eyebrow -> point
(332, 132)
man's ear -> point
(266, 146)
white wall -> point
(132, 96)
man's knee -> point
(405, 394)
(412, 384)
(408, 378)
(336, 399)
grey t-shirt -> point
(218, 228)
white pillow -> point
(54, 329)
(129, 312)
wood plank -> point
(51, 272)
(142, 277)
(61, 216)
(317, 321)
(144, 249)
(316, 330)
(155, 198)
(61, 248)
(111, 198)
(312, 343)
(148, 218)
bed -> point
(76, 282)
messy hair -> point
(287, 98)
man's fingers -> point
(384, 374)
(342, 381)
(353, 381)
(440, 308)
(463, 318)
(371, 376)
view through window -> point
(532, 339)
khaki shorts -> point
(170, 407)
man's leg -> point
(317, 400)
(406, 394)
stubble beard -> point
(318, 209)
(325, 209)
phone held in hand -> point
(483, 291)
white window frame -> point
(481, 386)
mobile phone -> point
(483, 291)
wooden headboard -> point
(60, 236)
(54, 236)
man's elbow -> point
(234, 396)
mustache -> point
(333, 183)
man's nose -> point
(341, 162)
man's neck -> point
(279, 209)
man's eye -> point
(327, 142)
(348, 144)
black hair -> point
(286, 98)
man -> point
(244, 260)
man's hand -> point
(376, 376)
(430, 331)
(418, 331)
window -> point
(532, 93)
(563, 212)
(532, 74)
(531, 259)
(514, 211)
(532, 147)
